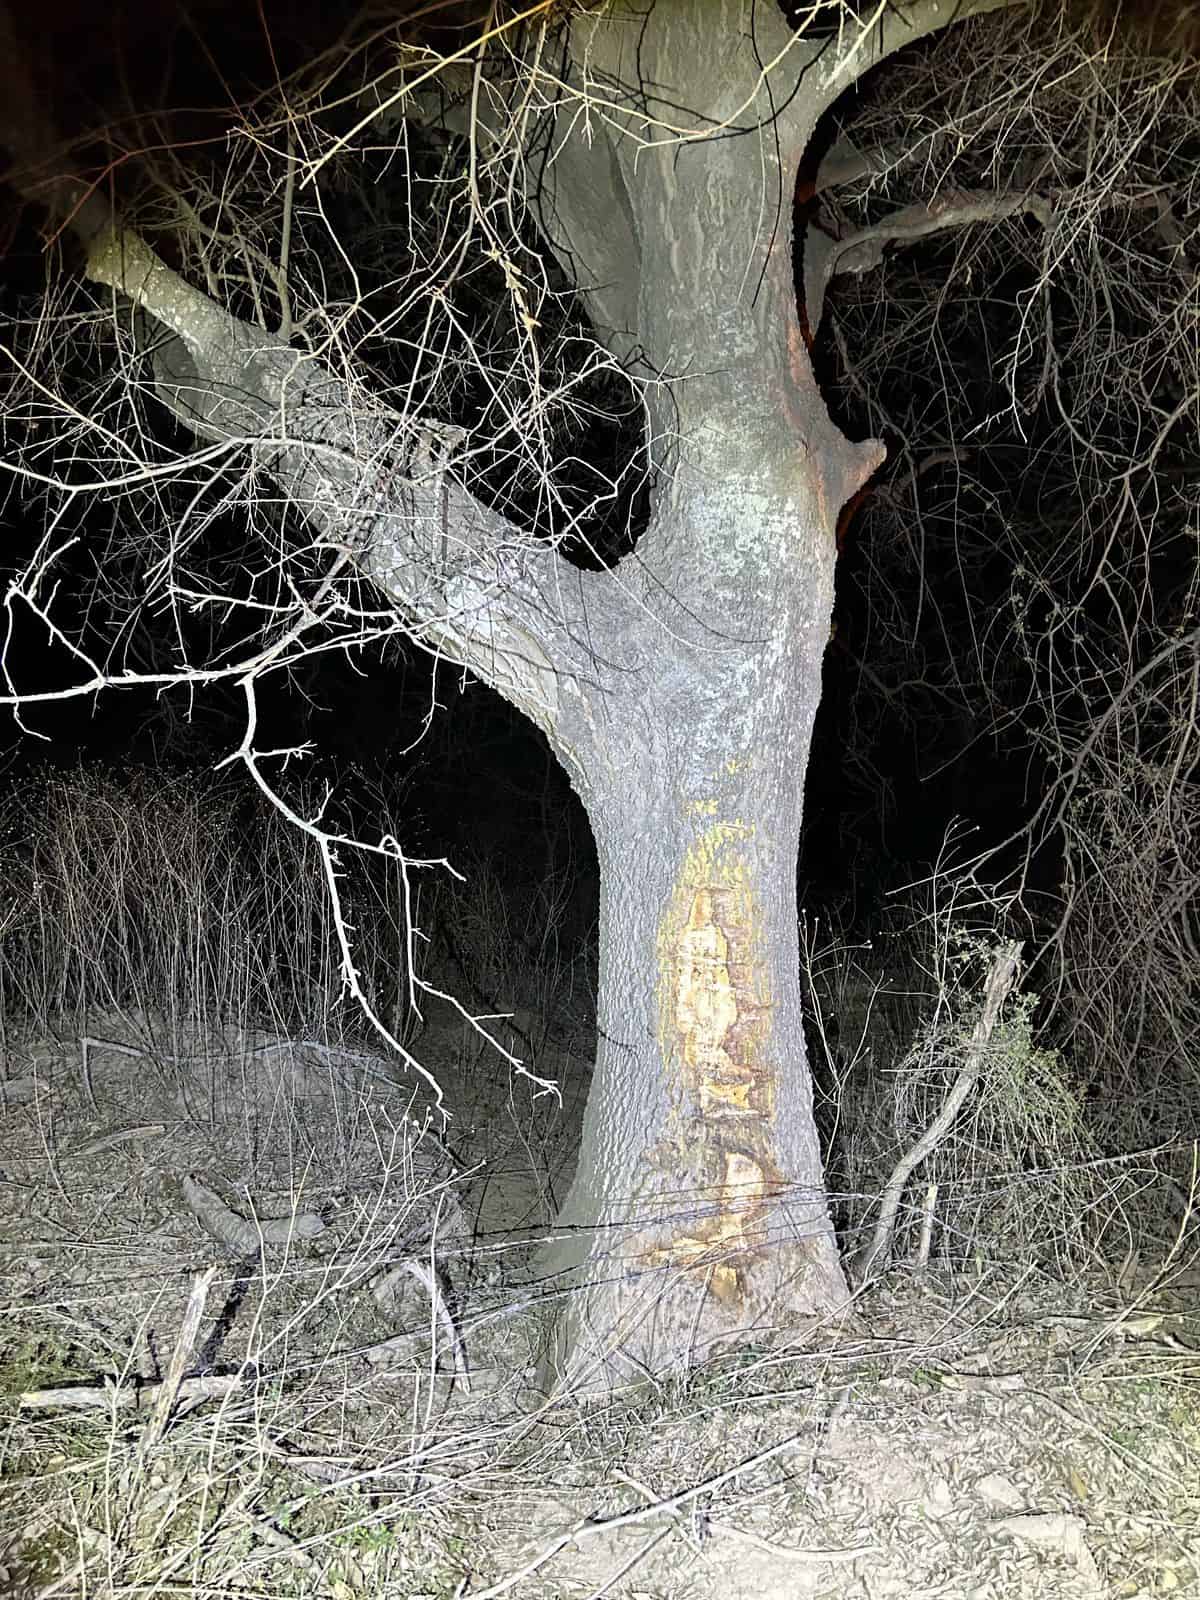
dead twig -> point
(235, 1232)
(185, 1344)
(127, 1397)
(785, 1552)
(109, 1141)
(1000, 980)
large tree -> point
(657, 147)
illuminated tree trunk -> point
(699, 1198)
(698, 1209)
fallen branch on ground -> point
(238, 1235)
(130, 1396)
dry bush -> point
(893, 1022)
(186, 902)
(1126, 947)
(1043, 433)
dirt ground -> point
(352, 1411)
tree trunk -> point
(699, 1201)
(698, 1208)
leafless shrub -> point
(182, 901)
(1004, 1170)
(1127, 945)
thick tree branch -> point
(890, 28)
(636, 94)
(826, 258)
(376, 485)
(627, 197)
(381, 487)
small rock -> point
(939, 1502)
(998, 1494)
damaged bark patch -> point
(715, 1015)
(733, 1232)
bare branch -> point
(470, 583)
(826, 258)
(1000, 980)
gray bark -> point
(699, 1205)
(698, 1210)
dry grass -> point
(182, 899)
(953, 1430)
(978, 1427)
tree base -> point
(644, 1323)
